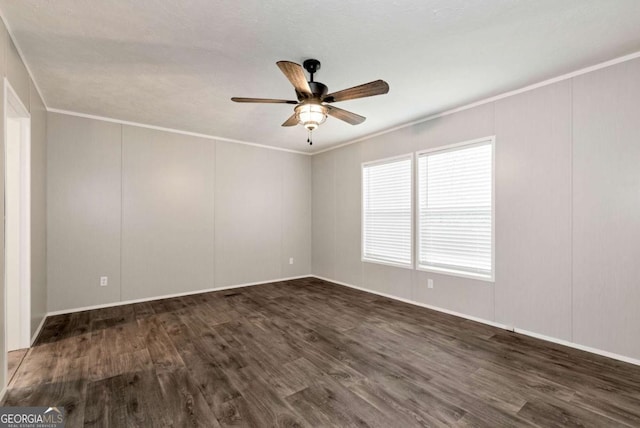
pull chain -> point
(309, 138)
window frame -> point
(391, 159)
(443, 149)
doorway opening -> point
(17, 222)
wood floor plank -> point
(143, 310)
(237, 412)
(457, 393)
(37, 368)
(184, 400)
(14, 359)
(328, 403)
(99, 402)
(310, 353)
(295, 376)
(560, 414)
(305, 341)
(70, 394)
(518, 385)
(620, 408)
(161, 349)
(53, 329)
(132, 399)
(268, 407)
(118, 364)
(213, 383)
(384, 394)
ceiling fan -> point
(314, 102)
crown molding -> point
(172, 130)
(494, 98)
(22, 58)
(488, 100)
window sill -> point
(459, 274)
(382, 262)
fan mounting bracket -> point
(312, 66)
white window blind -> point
(387, 211)
(455, 208)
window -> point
(455, 209)
(387, 211)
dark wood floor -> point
(310, 353)
(14, 359)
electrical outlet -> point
(104, 281)
(430, 283)
(290, 260)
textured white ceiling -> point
(176, 63)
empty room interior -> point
(318, 214)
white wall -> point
(84, 192)
(162, 213)
(567, 211)
(263, 214)
(168, 186)
(12, 67)
(567, 235)
(533, 210)
(12, 220)
(606, 209)
(38, 208)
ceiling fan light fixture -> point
(311, 115)
(311, 110)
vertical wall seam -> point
(335, 216)
(571, 142)
(215, 205)
(310, 230)
(360, 214)
(6, 52)
(45, 114)
(3, 285)
(415, 277)
(282, 220)
(121, 201)
(311, 222)
(495, 208)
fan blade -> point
(347, 116)
(262, 100)
(295, 74)
(292, 121)
(377, 87)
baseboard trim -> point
(423, 305)
(37, 332)
(580, 347)
(569, 344)
(566, 343)
(168, 296)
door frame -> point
(14, 108)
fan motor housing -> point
(319, 90)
